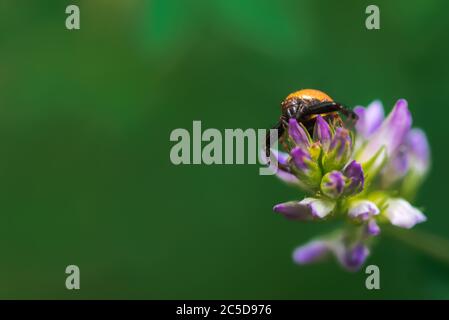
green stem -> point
(434, 246)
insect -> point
(304, 105)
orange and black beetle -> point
(304, 105)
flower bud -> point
(333, 184)
(354, 257)
(355, 178)
(362, 210)
(339, 152)
(311, 252)
(306, 209)
(372, 229)
(403, 214)
(298, 134)
(322, 132)
(306, 167)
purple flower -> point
(373, 166)
(294, 210)
(353, 258)
(311, 252)
(298, 134)
(340, 150)
(300, 158)
(372, 229)
(350, 256)
(333, 184)
(402, 214)
(282, 160)
(355, 178)
(305, 167)
(322, 132)
(412, 156)
(370, 118)
(363, 210)
(418, 150)
(348, 183)
(307, 209)
(391, 133)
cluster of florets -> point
(365, 176)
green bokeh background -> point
(85, 119)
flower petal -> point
(339, 152)
(282, 159)
(374, 165)
(363, 210)
(341, 142)
(333, 184)
(372, 228)
(311, 252)
(305, 168)
(402, 214)
(287, 177)
(396, 168)
(319, 207)
(418, 149)
(294, 210)
(322, 132)
(300, 158)
(306, 209)
(356, 178)
(370, 118)
(391, 133)
(354, 257)
(297, 133)
(350, 256)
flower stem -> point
(430, 244)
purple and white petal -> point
(297, 133)
(418, 150)
(391, 133)
(354, 172)
(396, 168)
(400, 161)
(300, 158)
(294, 210)
(306, 209)
(354, 257)
(333, 184)
(281, 158)
(311, 252)
(319, 208)
(370, 118)
(350, 256)
(372, 228)
(341, 143)
(363, 210)
(287, 177)
(403, 214)
(322, 132)
(374, 165)
(339, 152)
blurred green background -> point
(85, 119)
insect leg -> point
(326, 107)
(280, 128)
